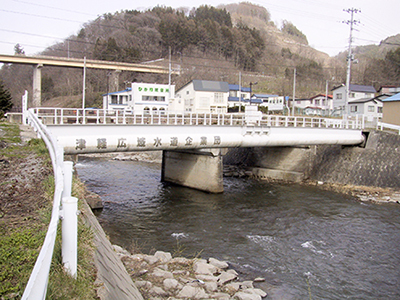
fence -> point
(37, 284)
(100, 116)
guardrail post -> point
(69, 234)
(69, 227)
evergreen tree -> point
(5, 100)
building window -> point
(232, 94)
(153, 98)
(371, 108)
(114, 99)
(218, 97)
(338, 96)
(316, 102)
(353, 108)
(380, 110)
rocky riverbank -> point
(160, 276)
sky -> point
(37, 24)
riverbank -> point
(26, 196)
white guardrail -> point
(65, 208)
(59, 116)
(382, 126)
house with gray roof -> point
(204, 96)
(356, 92)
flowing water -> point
(308, 243)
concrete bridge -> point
(38, 62)
(191, 143)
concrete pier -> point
(198, 169)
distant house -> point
(204, 96)
(389, 90)
(356, 92)
(234, 94)
(391, 110)
(322, 101)
(372, 108)
(141, 98)
(273, 102)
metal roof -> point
(235, 87)
(210, 86)
(358, 88)
(395, 97)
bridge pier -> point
(37, 86)
(198, 169)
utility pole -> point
(349, 55)
(84, 83)
(294, 91)
(169, 73)
(240, 91)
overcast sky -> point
(37, 24)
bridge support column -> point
(114, 84)
(200, 169)
(37, 85)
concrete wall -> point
(201, 170)
(378, 164)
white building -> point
(142, 97)
(273, 102)
(356, 92)
(370, 107)
(234, 94)
(204, 96)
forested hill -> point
(205, 43)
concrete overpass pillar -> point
(37, 86)
(198, 169)
(114, 82)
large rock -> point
(171, 284)
(163, 257)
(191, 292)
(158, 273)
(219, 264)
(157, 291)
(246, 296)
(204, 268)
(226, 277)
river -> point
(308, 243)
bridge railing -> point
(61, 116)
(36, 287)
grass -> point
(22, 235)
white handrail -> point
(382, 125)
(98, 116)
(37, 285)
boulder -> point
(221, 296)
(171, 284)
(163, 257)
(204, 268)
(191, 292)
(150, 259)
(157, 291)
(226, 277)
(211, 286)
(143, 284)
(161, 274)
(219, 264)
(246, 296)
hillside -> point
(205, 43)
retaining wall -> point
(378, 164)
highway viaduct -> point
(38, 62)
